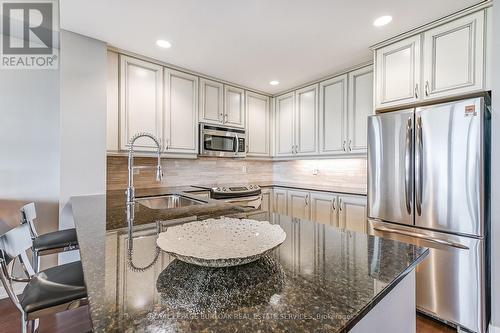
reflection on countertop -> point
(320, 279)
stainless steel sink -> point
(169, 202)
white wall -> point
(495, 173)
(29, 141)
(83, 77)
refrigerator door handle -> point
(419, 150)
(408, 169)
(421, 236)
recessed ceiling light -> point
(163, 43)
(274, 83)
(382, 20)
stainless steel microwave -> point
(222, 141)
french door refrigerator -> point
(428, 184)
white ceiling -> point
(251, 42)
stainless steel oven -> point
(222, 141)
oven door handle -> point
(244, 199)
(421, 236)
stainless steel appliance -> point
(428, 184)
(241, 195)
(222, 141)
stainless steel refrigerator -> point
(428, 184)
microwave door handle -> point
(237, 141)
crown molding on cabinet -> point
(433, 24)
(328, 77)
(184, 70)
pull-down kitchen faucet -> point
(130, 188)
(131, 167)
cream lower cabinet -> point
(280, 201)
(181, 112)
(266, 199)
(298, 204)
(352, 212)
(342, 211)
(141, 102)
(324, 209)
(258, 124)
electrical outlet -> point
(315, 171)
(136, 171)
(244, 169)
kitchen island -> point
(320, 279)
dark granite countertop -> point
(320, 279)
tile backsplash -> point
(182, 172)
(348, 173)
(204, 170)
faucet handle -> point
(159, 173)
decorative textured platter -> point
(221, 242)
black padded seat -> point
(54, 286)
(55, 240)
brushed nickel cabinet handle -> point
(343, 145)
(350, 145)
(427, 93)
(416, 90)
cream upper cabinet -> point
(298, 204)
(234, 107)
(324, 208)
(398, 73)
(332, 115)
(141, 101)
(454, 57)
(284, 115)
(280, 201)
(211, 101)
(306, 120)
(181, 112)
(257, 124)
(360, 107)
(352, 212)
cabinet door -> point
(181, 112)
(258, 124)
(266, 200)
(360, 107)
(352, 212)
(398, 73)
(332, 113)
(234, 107)
(298, 204)
(211, 101)
(284, 124)
(323, 208)
(453, 57)
(141, 94)
(279, 202)
(306, 123)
